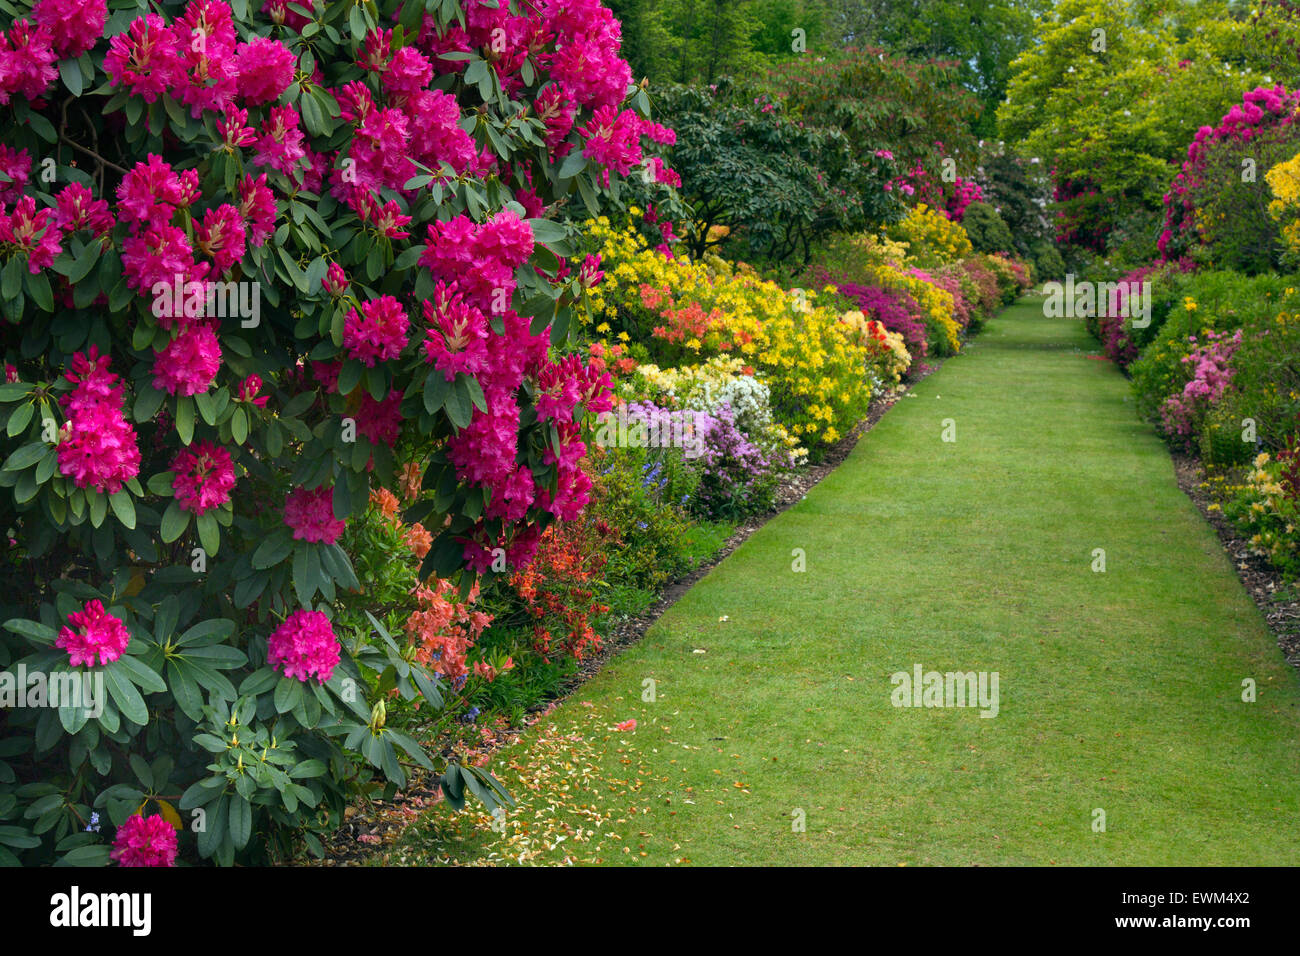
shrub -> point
(686, 312)
(1219, 302)
(932, 239)
(1266, 509)
(773, 185)
(986, 230)
(378, 199)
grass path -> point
(1119, 691)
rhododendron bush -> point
(254, 263)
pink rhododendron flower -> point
(407, 72)
(98, 446)
(93, 637)
(257, 206)
(145, 841)
(17, 165)
(248, 391)
(387, 220)
(234, 130)
(204, 477)
(159, 255)
(311, 515)
(190, 361)
(144, 59)
(355, 102)
(149, 194)
(265, 68)
(613, 139)
(456, 338)
(34, 233)
(380, 422)
(74, 25)
(79, 209)
(280, 144)
(221, 236)
(559, 388)
(335, 280)
(304, 646)
(26, 62)
(378, 150)
(378, 333)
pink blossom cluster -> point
(613, 141)
(204, 477)
(965, 192)
(145, 841)
(1263, 111)
(1212, 372)
(27, 58)
(189, 363)
(378, 333)
(380, 421)
(304, 646)
(311, 515)
(198, 60)
(93, 636)
(31, 232)
(98, 447)
(155, 250)
(249, 391)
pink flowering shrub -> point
(256, 260)
(1210, 209)
(1210, 362)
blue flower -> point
(642, 525)
(93, 825)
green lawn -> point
(1119, 691)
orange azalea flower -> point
(418, 540)
(385, 501)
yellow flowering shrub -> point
(932, 238)
(1263, 510)
(687, 312)
(1284, 182)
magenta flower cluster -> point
(304, 646)
(204, 478)
(98, 446)
(1212, 372)
(93, 637)
(311, 515)
(145, 841)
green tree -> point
(983, 36)
(1110, 93)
